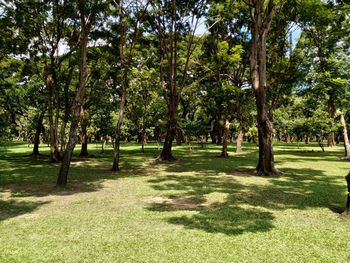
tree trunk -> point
(320, 143)
(262, 17)
(124, 83)
(116, 156)
(331, 139)
(225, 136)
(67, 108)
(39, 128)
(347, 208)
(84, 138)
(78, 101)
(239, 140)
(54, 153)
(166, 154)
(346, 137)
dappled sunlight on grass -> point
(199, 208)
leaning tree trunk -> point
(262, 17)
(225, 136)
(39, 128)
(346, 137)
(78, 101)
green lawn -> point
(200, 208)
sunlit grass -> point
(200, 208)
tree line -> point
(171, 70)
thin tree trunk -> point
(346, 137)
(84, 138)
(67, 108)
(124, 81)
(116, 156)
(54, 153)
(225, 136)
(239, 138)
(78, 101)
(320, 143)
(39, 129)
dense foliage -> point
(210, 71)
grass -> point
(200, 208)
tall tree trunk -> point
(124, 81)
(172, 99)
(261, 21)
(38, 130)
(116, 157)
(346, 137)
(54, 153)
(225, 136)
(78, 101)
(67, 108)
(239, 138)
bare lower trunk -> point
(225, 136)
(166, 154)
(84, 139)
(266, 160)
(346, 137)
(239, 140)
(67, 156)
(116, 157)
(331, 139)
(63, 137)
(39, 128)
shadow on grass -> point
(246, 205)
(12, 208)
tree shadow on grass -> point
(12, 208)
(246, 205)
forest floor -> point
(200, 208)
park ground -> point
(200, 208)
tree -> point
(262, 13)
(126, 48)
(174, 21)
(88, 14)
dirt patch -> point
(176, 202)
